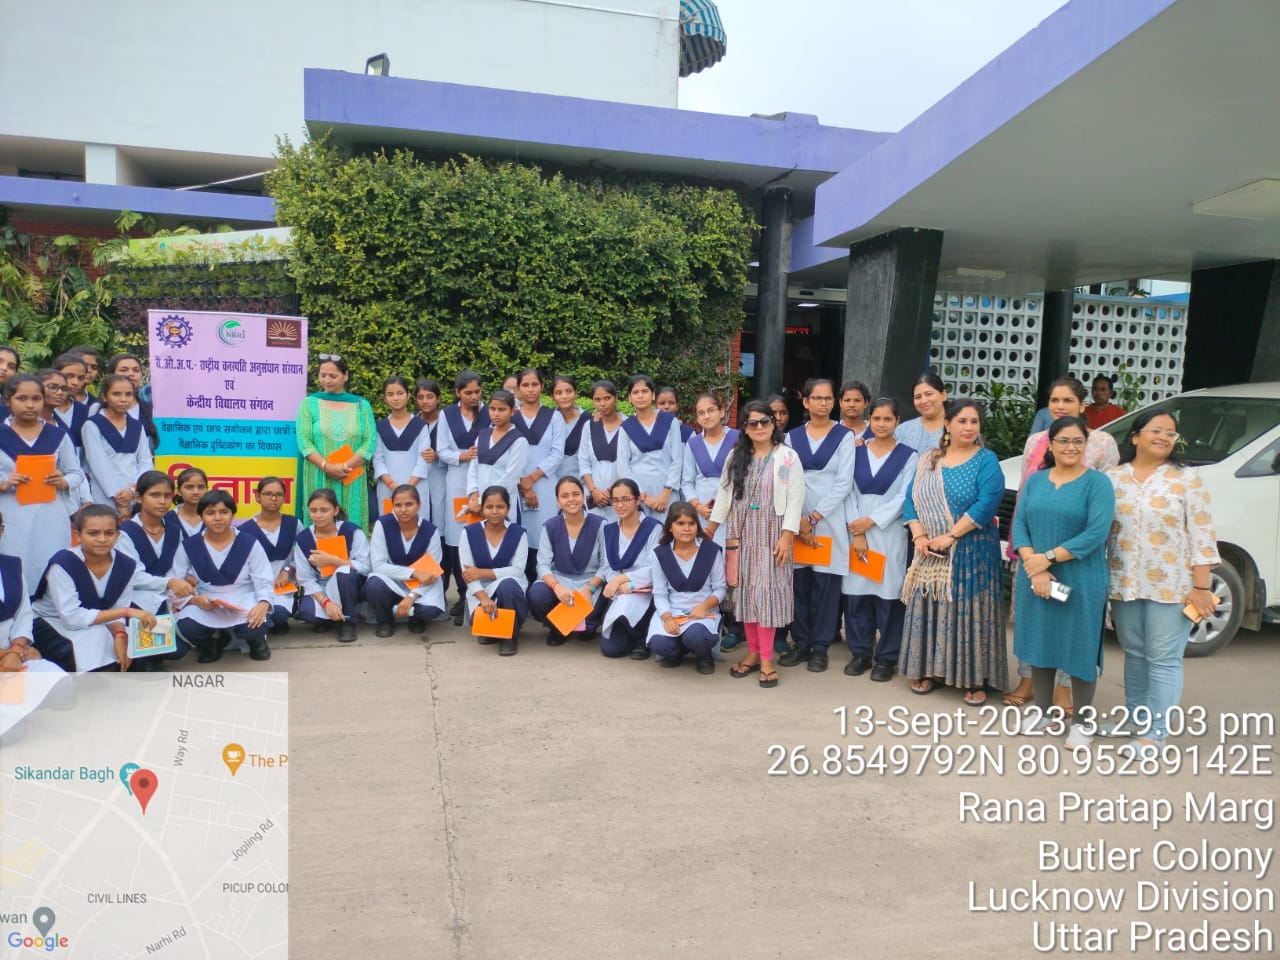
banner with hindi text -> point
(226, 389)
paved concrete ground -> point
(448, 803)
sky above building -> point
(869, 64)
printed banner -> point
(226, 389)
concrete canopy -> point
(1077, 155)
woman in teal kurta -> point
(1060, 533)
(328, 421)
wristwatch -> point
(1051, 556)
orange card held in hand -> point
(386, 505)
(37, 466)
(334, 547)
(462, 513)
(342, 455)
(502, 626)
(286, 589)
(872, 569)
(427, 562)
(566, 618)
(819, 556)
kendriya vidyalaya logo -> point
(231, 332)
(174, 331)
(284, 333)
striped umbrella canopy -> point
(702, 38)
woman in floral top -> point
(1162, 548)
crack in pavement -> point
(461, 926)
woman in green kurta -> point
(329, 421)
(1060, 533)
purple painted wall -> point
(1061, 46)
(71, 195)
(385, 105)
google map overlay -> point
(144, 815)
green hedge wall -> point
(423, 268)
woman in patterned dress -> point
(955, 626)
(1162, 550)
(329, 420)
(762, 494)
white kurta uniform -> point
(505, 471)
(312, 581)
(456, 478)
(593, 462)
(36, 531)
(402, 465)
(654, 469)
(631, 607)
(826, 488)
(395, 575)
(570, 466)
(514, 571)
(437, 478)
(254, 584)
(547, 454)
(111, 471)
(695, 482)
(886, 535)
(667, 599)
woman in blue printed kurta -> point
(955, 624)
(826, 453)
(650, 450)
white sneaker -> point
(1037, 724)
(1077, 739)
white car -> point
(1232, 436)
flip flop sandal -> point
(933, 684)
(975, 696)
(736, 671)
(769, 679)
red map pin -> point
(143, 785)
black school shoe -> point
(507, 648)
(347, 632)
(817, 661)
(384, 629)
(859, 665)
(794, 657)
(213, 652)
(259, 651)
(417, 625)
(882, 671)
(706, 664)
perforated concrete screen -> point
(978, 338)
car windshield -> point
(1212, 428)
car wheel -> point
(1213, 633)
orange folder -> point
(819, 556)
(461, 511)
(287, 589)
(224, 605)
(433, 568)
(386, 505)
(566, 618)
(502, 626)
(335, 547)
(342, 455)
(873, 569)
(37, 466)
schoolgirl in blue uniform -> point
(402, 436)
(688, 588)
(400, 539)
(457, 447)
(564, 391)
(427, 398)
(333, 597)
(501, 451)
(278, 533)
(627, 573)
(493, 554)
(543, 428)
(571, 560)
(115, 446)
(598, 456)
(650, 451)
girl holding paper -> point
(40, 479)
(115, 448)
(688, 588)
(427, 398)
(825, 449)
(493, 555)
(564, 391)
(570, 563)
(463, 422)
(544, 431)
(882, 470)
(336, 438)
(650, 450)
(598, 456)
(234, 584)
(85, 597)
(397, 456)
(627, 574)
(405, 558)
(278, 532)
(332, 559)
(500, 453)
(152, 538)
(761, 493)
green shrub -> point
(424, 268)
